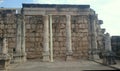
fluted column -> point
(46, 39)
(68, 38)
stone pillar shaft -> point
(68, 38)
(68, 34)
(94, 40)
(51, 39)
(93, 37)
(93, 32)
(23, 40)
(20, 44)
(46, 38)
(18, 37)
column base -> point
(96, 57)
(104, 61)
(90, 57)
(24, 59)
(46, 57)
(69, 58)
(19, 58)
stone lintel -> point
(55, 13)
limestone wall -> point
(59, 36)
(8, 27)
(34, 35)
(79, 32)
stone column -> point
(17, 55)
(46, 39)
(68, 38)
(93, 37)
(107, 42)
(23, 40)
(90, 40)
(51, 39)
(18, 36)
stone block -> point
(11, 44)
(28, 26)
(85, 39)
(31, 50)
(55, 44)
(62, 26)
(61, 44)
(2, 26)
(63, 48)
(85, 30)
(69, 58)
(80, 21)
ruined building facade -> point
(51, 32)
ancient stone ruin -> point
(51, 32)
(4, 55)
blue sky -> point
(107, 10)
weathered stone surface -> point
(79, 39)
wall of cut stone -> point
(8, 27)
(80, 43)
(59, 36)
(34, 35)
